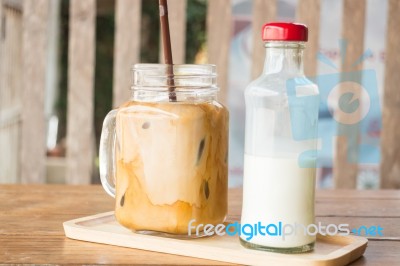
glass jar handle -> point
(107, 153)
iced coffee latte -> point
(163, 154)
(171, 165)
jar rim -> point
(153, 66)
(185, 77)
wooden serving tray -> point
(103, 228)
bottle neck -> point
(284, 57)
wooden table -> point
(31, 231)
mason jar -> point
(163, 153)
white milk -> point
(276, 189)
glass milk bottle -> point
(280, 147)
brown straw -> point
(166, 39)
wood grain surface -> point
(263, 11)
(390, 166)
(345, 168)
(81, 64)
(31, 218)
(34, 58)
(177, 25)
(308, 12)
(10, 92)
(126, 47)
(219, 33)
(2, 57)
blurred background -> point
(64, 64)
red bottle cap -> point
(283, 31)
